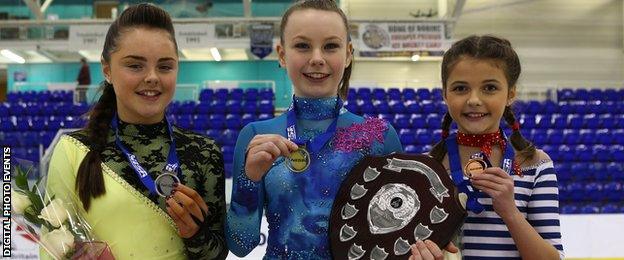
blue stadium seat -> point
(424, 137)
(407, 137)
(607, 121)
(234, 106)
(593, 191)
(217, 121)
(423, 94)
(251, 94)
(601, 153)
(364, 93)
(610, 208)
(386, 116)
(351, 106)
(381, 107)
(248, 118)
(203, 108)
(581, 94)
(576, 191)
(379, 94)
(418, 121)
(571, 136)
(543, 121)
(366, 107)
(428, 107)
(587, 136)
(613, 191)
(221, 94)
(591, 121)
(401, 121)
(590, 208)
(409, 94)
(201, 122)
(233, 121)
(213, 133)
(434, 121)
(397, 107)
(351, 94)
(236, 94)
(394, 94)
(570, 209)
(604, 136)
(411, 149)
(218, 106)
(565, 94)
(549, 107)
(228, 137)
(555, 136)
(266, 107)
(412, 107)
(527, 121)
(264, 116)
(206, 95)
(250, 107)
(266, 94)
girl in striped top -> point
(513, 208)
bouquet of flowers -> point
(56, 224)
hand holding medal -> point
(187, 209)
(263, 150)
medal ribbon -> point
(457, 171)
(172, 159)
(316, 143)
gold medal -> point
(299, 160)
(474, 166)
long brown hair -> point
(324, 5)
(89, 180)
(486, 47)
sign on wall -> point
(198, 35)
(402, 37)
(87, 37)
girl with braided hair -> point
(114, 166)
(513, 208)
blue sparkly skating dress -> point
(298, 205)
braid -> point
(526, 148)
(439, 150)
(89, 180)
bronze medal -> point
(474, 166)
(299, 160)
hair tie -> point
(445, 134)
(515, 126)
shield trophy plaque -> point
(387, 203)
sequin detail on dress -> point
(360, 136)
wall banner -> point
(400, 37)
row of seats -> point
(576, 121)
(42, 109)
(236, 94)
(41, 96)
(585, 153)
(592, 208)
(590, 94)
(394, 94)
(569, 107)
(591, 191)
(222, 107)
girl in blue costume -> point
(317, 55)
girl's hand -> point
(430, 251)
(499, 185)
(262, 151)
(187, 209)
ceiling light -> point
(415, 57)
(215, 54)
(12, 56)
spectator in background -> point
(84, 80)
